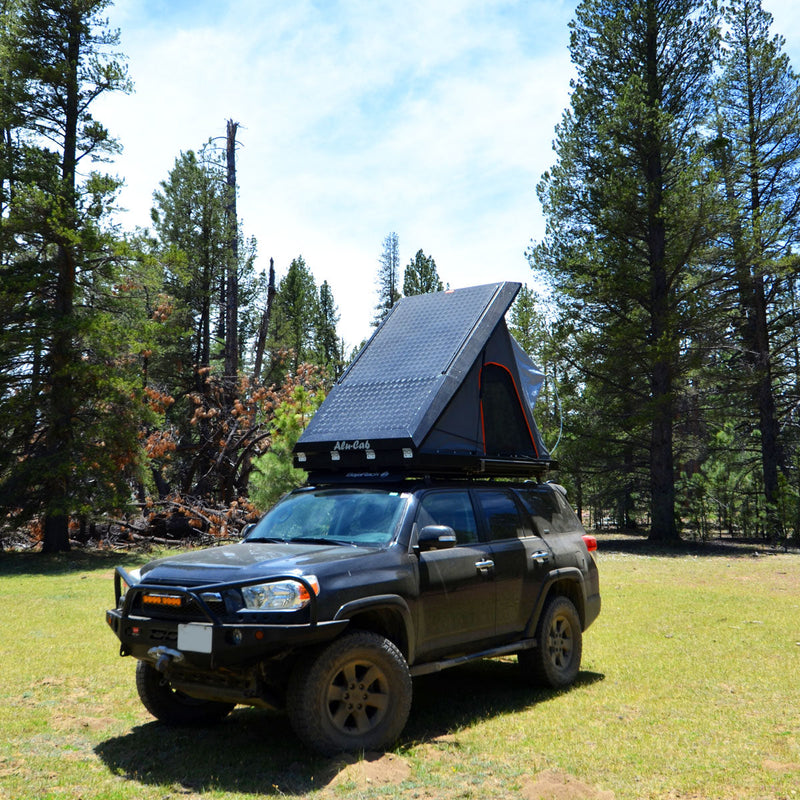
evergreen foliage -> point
(628, 218)
(670, 259)
(159, 371)
(388, 278)
(65, 385)
(328, 352)
(273, 473)
(757, 153)
(421, 276)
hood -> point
(241, 562)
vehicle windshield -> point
(336, 516)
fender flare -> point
(569, 574)
(383, 602)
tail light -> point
(590, 541)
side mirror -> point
(436, 537)
(247, 530)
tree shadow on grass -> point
(637, 544)
(256, 752)
(33, 563)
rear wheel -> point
(556, 659)
(354, 695)
(172, 706)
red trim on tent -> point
(519, 400)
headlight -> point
(279, 596)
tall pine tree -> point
(758, 154)
(388, 278)
(328, 349)
(57, 59)
(626, 211)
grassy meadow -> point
(690, 688)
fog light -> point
(236, 636)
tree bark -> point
(662, 471)
(232, 288)
(60, 433)
(263, 328)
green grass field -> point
(690, 688)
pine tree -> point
(421, 276)
(295, 312)
(627, 214)
(758, 154)
(388, 278)
(61, 58)
(328, 353)
(206, 262)
(189, 219)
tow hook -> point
(164, 657)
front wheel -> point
(354, 695)
(556, 659)
(172, 706)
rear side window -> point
(453, 509)
(501, 514)
(550, 511)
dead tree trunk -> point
(232, 289)
(264, 326)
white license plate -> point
(195, 637)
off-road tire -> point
(172, 706)
(555, 661)
(354, 695)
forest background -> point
(153, 381)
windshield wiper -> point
(317, 540)
(270, 539)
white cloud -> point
(431, 118)
(358, 118)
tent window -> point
(505, 429)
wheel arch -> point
(387, 615)
(562, 583)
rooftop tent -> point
(441, 387)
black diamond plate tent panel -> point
(424, 360)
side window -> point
(569, 519)
(501, 514)
(449, 508)
(551, 512)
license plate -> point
(195, 637)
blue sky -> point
(430, 118)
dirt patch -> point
(375, 769)
(777, 766)
(556, 785)
(66, 722)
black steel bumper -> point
(209, 643)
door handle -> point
(540, 556)
(481, 565)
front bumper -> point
(209, 642)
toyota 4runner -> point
(343, 593)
